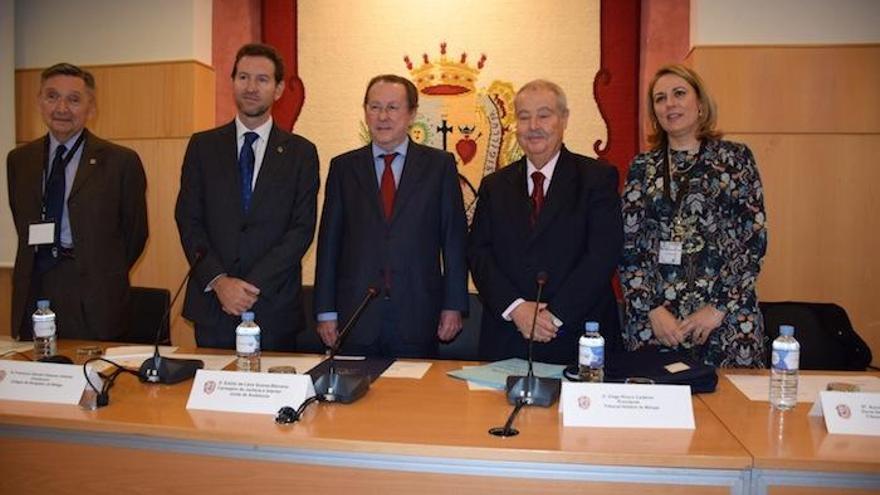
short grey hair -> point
(543, 84)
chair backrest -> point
(307, 340)
(826, 336)
(146, 308)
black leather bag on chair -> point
(827, 338)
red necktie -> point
(537, 197)
(387, 189)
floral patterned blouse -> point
(714, 207)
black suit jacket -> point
(423, 247)
(108, 220)
(264, 247)
(577, 241)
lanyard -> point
(64, 162)
(684, 187)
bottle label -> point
(44, 328)
(592, 356)
(247, 344)
(786, 360)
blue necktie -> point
(246, 160)
(55, 186)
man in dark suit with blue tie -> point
(554, 212)
(246, 223)
(80, 212)
(393, 219)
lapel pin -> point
(92, 161)
(280, 149)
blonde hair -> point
(708, 114)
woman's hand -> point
(701, 323)
(666, 327)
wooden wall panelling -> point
(147, 101)
(810, 114)
(814, 89)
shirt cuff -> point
(329, 316)
(509, 310)
(210, 286)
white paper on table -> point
(41, 382)
(302, 363)
(8, 345)
(757, 387)
(407, 369)
(212, 361)
(137, 350)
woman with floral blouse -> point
(694, 230)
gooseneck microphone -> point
(347, 388)
(167, 370)
(530, 389)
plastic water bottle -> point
(44, 330)
(591, 354)
(247, 343)
(784, 369)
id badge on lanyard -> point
(670, 250)
(42, 232)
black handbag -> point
(651, 362)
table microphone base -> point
(169, 370)
(333, 387)
(532, 390)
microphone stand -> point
(530, 389)
(347, 388)
(168, 370)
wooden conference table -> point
(405, 436)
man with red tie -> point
(553, 213)
(393, 220)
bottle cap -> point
(786, 330)
(43, 304)
(247, 316)
(591, 326)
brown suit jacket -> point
(108, 220)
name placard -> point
(41, 382)
(611, 405)
(849, 413)
(258, 393)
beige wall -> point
(811, 114)
(91, 32)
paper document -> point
(407, 369)
(494, 375)
(475, 387)
(9, 345)
(137, 350)
(757, 387)
(212, 361)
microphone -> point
(347, 388)
(531, 389)
(167, 370)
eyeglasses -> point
(390, 109)
(73, 101)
